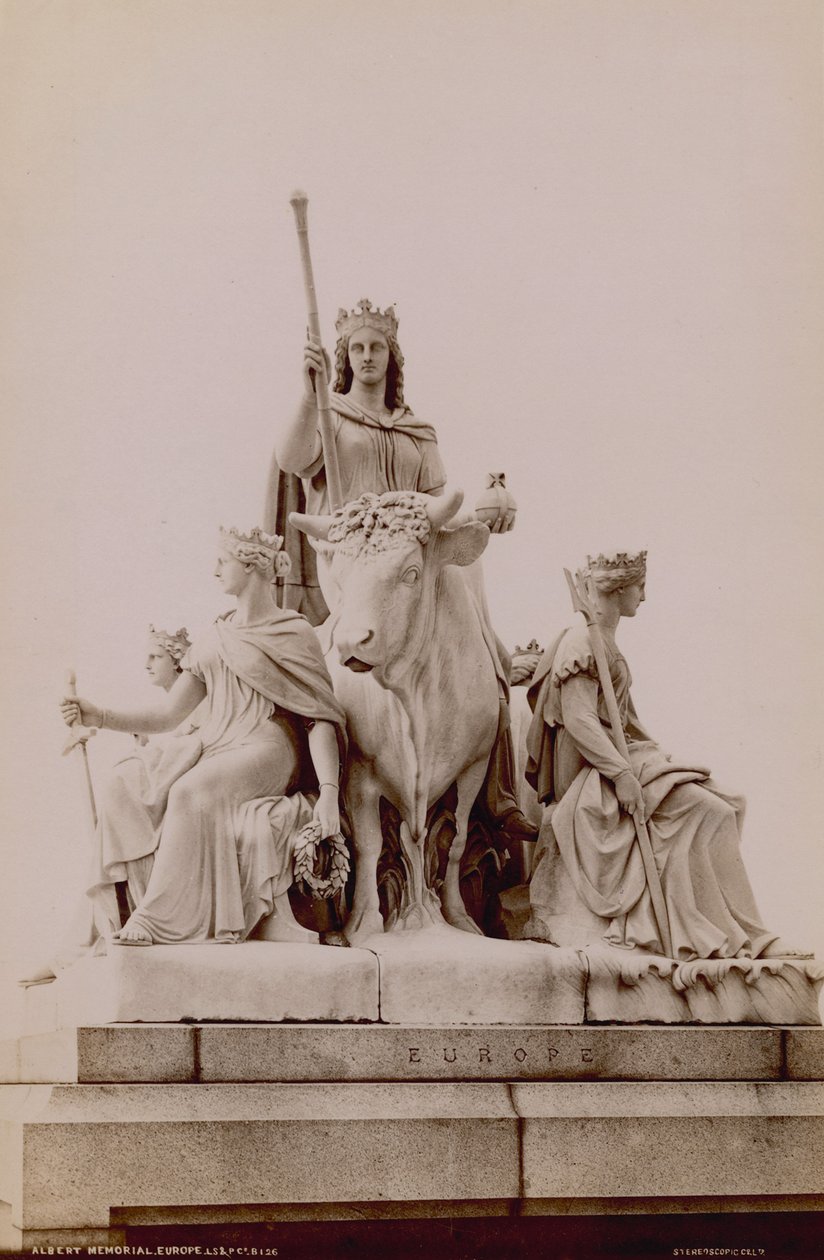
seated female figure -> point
(137, 790)
(219, 817)
(588, 878)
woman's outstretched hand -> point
(630, 796)
(326, 812)
(74, 709)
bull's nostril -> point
(357, 666)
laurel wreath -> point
(314, 855)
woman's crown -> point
(254, 538)
(618, 560)
(365, 315)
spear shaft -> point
(299, 203)
(583, 604)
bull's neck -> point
(432, 648)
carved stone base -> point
(304, 1053)
(435, 975)
(164, 1124)
(627, 986)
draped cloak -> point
(398, 452)
(281, 659)
(210, 863)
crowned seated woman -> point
(381, 446)
(588, 878)
(204, 838)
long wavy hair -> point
(393, 396)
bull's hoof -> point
(463, 922)
(419, 916)
(359, 929)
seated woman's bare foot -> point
(38, 975)
(131, 934)
(781, 949)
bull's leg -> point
(363, 807)
(469, 785)
(421, 906)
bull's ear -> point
(314, 526)
(463, 545)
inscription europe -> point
(483, 1054)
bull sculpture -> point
(412, 668)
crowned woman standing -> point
(381, 445)
(588, 879)
(222, 829)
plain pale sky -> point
(601, 222)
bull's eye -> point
(411, 575)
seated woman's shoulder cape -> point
(570, 653)
(574, 655)
(281, 658)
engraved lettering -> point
(446, 1057)
(414, 1054)
(586, 1054)
(520, 1054)
(483, 1054)
(553, 1053)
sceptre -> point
(299, 203)
(583, 602)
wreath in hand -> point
(322, 865)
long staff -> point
(583, 601)
(299, 203)
(78, 738)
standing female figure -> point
(380, 444)
(588, 878)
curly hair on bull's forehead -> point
(378, 522)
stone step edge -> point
(215, 1052)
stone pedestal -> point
(289, 1082)
(437, 975)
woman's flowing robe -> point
(694, 827)
(375, 454)
(203, 830)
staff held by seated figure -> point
(139, 777)
(381, 446)
(219, 827)
(139, 784)
(604, 796)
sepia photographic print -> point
(412, 694)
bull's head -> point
(387, 555)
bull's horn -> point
(314, 526)
(442, 508)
